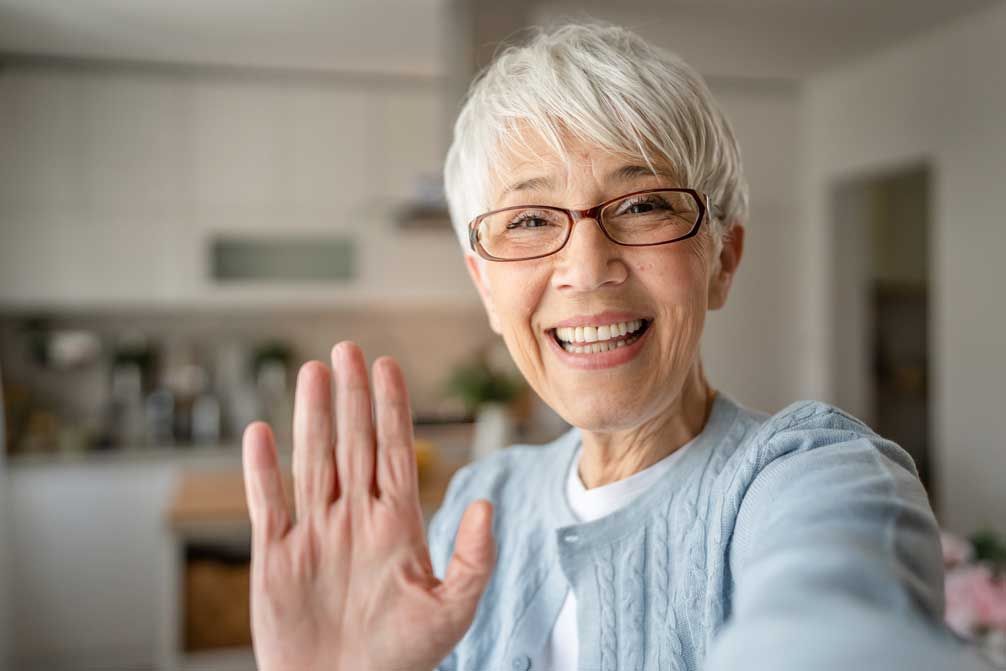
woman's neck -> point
(612, 456)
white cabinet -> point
(90, 558)
(115, 181)
(274, 157)
(88, 562)
(88, 188)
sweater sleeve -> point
(836, 560)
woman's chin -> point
(601, 414)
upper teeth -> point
(597, 333)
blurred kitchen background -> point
(196, 197)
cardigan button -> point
(521, 663)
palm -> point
(350, 584)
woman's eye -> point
(643, 207)
(640, 208)
(527, 222)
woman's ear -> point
(475, 269)
(730, 257)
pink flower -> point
(976, 600)
(956, 550)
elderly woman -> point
(598, 192)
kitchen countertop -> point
(147, 454)
(447, 434)
(211, 503)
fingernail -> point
(343, 349)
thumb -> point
(472, 563)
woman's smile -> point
(603, 340)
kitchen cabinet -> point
(90, 178)
(97, 548)
(116, 180)
(89, 558)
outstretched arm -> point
(837, 563)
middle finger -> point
(313, 458)
(354, 425)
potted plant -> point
(487, 384)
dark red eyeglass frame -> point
(594, 213)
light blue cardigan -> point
(801, 541)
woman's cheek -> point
(512, 289)
(684, 319)
(517, 297)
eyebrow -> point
(634, 171)
(533, 184)
(623, 174)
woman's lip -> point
(600, 319)
(599, 360)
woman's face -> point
(593, 282)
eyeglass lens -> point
(641, 219)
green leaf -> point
(990, 547)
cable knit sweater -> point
(801, 541)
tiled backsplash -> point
(427, 342)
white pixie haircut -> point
(604, 85)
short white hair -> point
(605, 85)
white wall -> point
(852, 386)
(751, 348)
(939, 99)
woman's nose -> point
(589, 260)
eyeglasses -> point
(637, 219)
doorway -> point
(880, 238)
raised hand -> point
(349, 584)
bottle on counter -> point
(127, 421)
(275, 401)
(160, 417)
(205, 422)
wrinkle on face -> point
(630, 415)
(527, 165)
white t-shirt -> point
(562, 651)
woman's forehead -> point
(542, 169)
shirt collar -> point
(630, 517)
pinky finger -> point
(264, 484)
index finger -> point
(263, 484)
